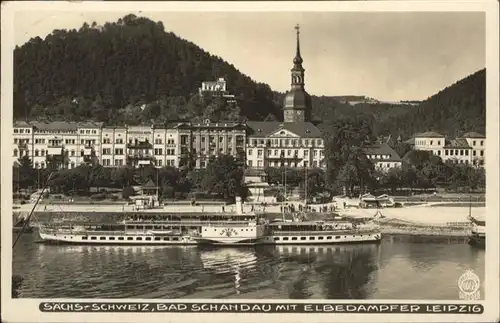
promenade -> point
(425, 214)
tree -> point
(223, 177)
(392, 179)
(122, 176)
(127, 192)
(343, 136)
(358, 170)
(121, 65)
(23, 173)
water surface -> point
(394, 269)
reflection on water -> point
(390, 270)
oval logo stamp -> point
(469, 285)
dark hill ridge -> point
(128, 62)
(133, 71)
(453, 111)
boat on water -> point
(208, 229)
(167, 229)
(322, 232)
(477, 235)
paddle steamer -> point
(167, 229)
(213, 229)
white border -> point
(26, 310)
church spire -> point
(297, 103)
(297, 61)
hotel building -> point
(466, 149)
(67, 143)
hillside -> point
(113, 70)
(456, 109)
(132, 71)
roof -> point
(473, 135)
(456, 143)
(64, 125)
(254, 172)
(22, 124)
(56, 125)
(266, 128)
(428, 134)
(410, 141)
(382, 149)
(149, 184)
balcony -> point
(283, 157)
(22, 145)
(140, 145)
(140, 156)
(140, 160)
(54, 150)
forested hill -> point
(132, 71)
(114, 69)
(456, 109)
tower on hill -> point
(297, 102)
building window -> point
(481, 153)
(461, 152)
(439, 152)
(439, 142)
(249, 152)
(250, 163)
(473, 153)
(482, 142)
(158, 151)
(15, 152)
(119, 151)
(473, 143)
(259, 153)
(466, 153)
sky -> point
(389, 56)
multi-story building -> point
(67, 144)
(383, 156)
(114, 146)
(277, 144)
(466, 149)
(218, 89)
(71, 144)
(209, 139)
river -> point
(393, 269)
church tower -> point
(297, 102)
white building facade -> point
(72, 144)
(275, 144)
(467, 149)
